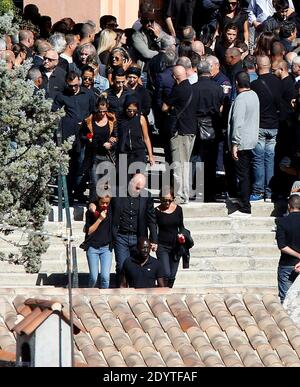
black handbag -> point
(206, 129)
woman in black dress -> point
(231, 12)
(169, 218)
(133, 135)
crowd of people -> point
(212, 82)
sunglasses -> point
(50, 59)
(102, 111)
(166, 200)
(116, 58)
(88, 79)
(131, 110)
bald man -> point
(53, 76)
(133, 215)
(183, 105)
(269, 90)
(234, 65)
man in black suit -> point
(288, 241)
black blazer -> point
(146, 217)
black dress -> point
(239, 20)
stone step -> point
(197, 278)
(193, 224)
(219, 264)
(195, 210)
(6, 267)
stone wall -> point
(126, 11)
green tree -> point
(29, 160)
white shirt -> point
(68, 58)
(260, 10)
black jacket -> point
(183, 250)
(288, 235)
(55, 84)
(146, 217)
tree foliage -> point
(29, 160)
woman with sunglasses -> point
(231, 12)
(99, 132)
(134, 137)
(119, 58)
(169, 219)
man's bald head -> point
(198, 47)
(263, 62)
(179, 73)
(232, 55)
(137, 184)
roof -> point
(168, 327)
(36, 311)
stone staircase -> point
(228, 252)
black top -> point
(116, 104)
(239, 20)
(129, 216)
(55, 83)
(289, 92)
(101, 135)
(144, 99)
(169, 225)
(102, 236)
(130, 134)
(146, 215)
(181, 12)
(145, 276)
(178, 100)
(288, 235)
(269, 100)
(209, 96)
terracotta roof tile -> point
(236, 337)
(248, 356)
(255, 336)
(132, 357)
(119, 337)
(139, 327)
(287, 355)
(151, 357)
(217, 337)
(100, 306)
(189, 356)
(7, 356)
(118, 305)
(196, 305)
(158, 338)
(7, 341)
(171, 357)
(109, 321)
(137, 305)
(92, 356)
(229, 357)
(205, 320)
(139, 339)
(113, 358)
(157, 306)
(128, 321)
(101, 338)
(148, 321)
(268, 356)
(167, 321)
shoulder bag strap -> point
(185, 106)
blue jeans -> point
(103, 254)
(123, 246)
(263, 162)
(285, 276)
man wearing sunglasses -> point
(53, 75)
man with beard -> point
(141, 270)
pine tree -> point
(29, 158)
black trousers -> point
(242, 168)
